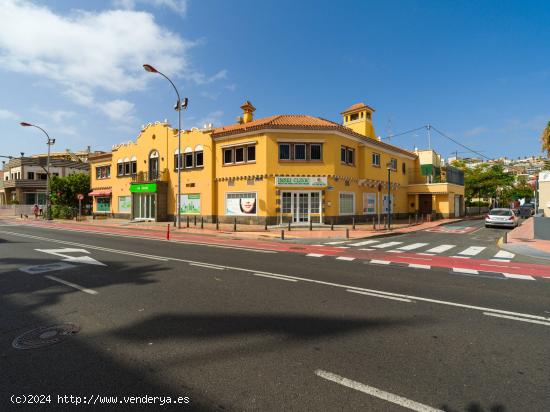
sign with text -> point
(300, 181)
(143, 188)
(190, 204)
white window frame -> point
(385, 201)
(289, 151)
(366, 197)
(376, 156)
(305, 151)
(340, 204)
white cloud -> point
(214, 117)
(8, 115)
(118, 110)
(178, 6)
(57, 116)
(231, 87)
(476, 131)
(90, 52)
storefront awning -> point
(100, 193)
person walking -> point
(35, 211)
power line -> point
(407, 132)
(458, 143)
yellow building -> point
(275, 169)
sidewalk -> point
(522, 241)
(255, 231)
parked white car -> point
(501, 217)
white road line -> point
(380, 262)
(72, 285)
(379, 296)
(274, 277)
(440, 249)
(500, 260)
(413, 246)
(468, 271)
(368, 248)
(386, 245)
(472, 250)
(349, 259)
(319, 282)
(342, 247)
(395, 251)
(461, 257)
(426, 254)
(339, 242)
(419, 266)
(514, 276)
(315, 255)
(364, 243)
(377, 393)
(207, 266)
(503, 254)
(516, 318)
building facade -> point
(273, 170)
(24, 178)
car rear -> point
(501, 217)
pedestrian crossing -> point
(422, 248)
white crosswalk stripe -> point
(413, 246)
(503, 254)
(386, 245)
(472, 250)
(440, 248)
(339, 242)
(363, 243)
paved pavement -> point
(237, 328)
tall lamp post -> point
(179, 105)
(389, 166)
(50, 142)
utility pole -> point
(429, 126)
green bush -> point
(62, 212)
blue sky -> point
(479, 71)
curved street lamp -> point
(50, 142)
(179, 105)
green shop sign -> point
(143, 188)
(297, 181)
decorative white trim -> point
(239, 144)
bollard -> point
(416, 219)
(347, 233)
(289, 222)
(282, 234)
(373, 223)
(202, 222)
(217, 223)
(235, 225)
(384, 222)
(265, 224)
(195, 220)
(353, 223)
(168, 231)
(310, 225)
(332, 224)
(187, 221)
(174, 221)
(505, 238)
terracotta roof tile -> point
(357, 106)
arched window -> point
(126, 166)
(120, 167)
(199, 157)
(133, 165)
(188, 157)
(154, 165)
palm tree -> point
(545, 139)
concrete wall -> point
(542, 228)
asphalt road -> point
(242, 330)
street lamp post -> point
(179, 105)
(50, 142)
(389, 166)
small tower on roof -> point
(358, 118)
(248, 109)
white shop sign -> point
(300, 181)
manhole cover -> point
(45, 336)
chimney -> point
(248, 109)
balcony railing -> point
(447, 174)
(156, 176)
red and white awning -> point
(100, 193)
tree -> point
(545, 139)
(63, 190)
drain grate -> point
(45, 336)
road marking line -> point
(318, 245)
(274, 277)
(363, 243)
(515, 276)
(72, 285)
(349, 259)
(469, 271)
(342, 247)
(315, 255)
(500, 260)
(385, 245)
(500, 266)
(380, 262)
(516, 318)
(472, 250)
(377, 393)
(368, 248)
(421, 258)
(413, 246)
(395, 251)
(207, 266)
(319, 282)
(339, 242)
(461, 257)
(504, 254)
(419, 266)
(379, 296)
(440, 248)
